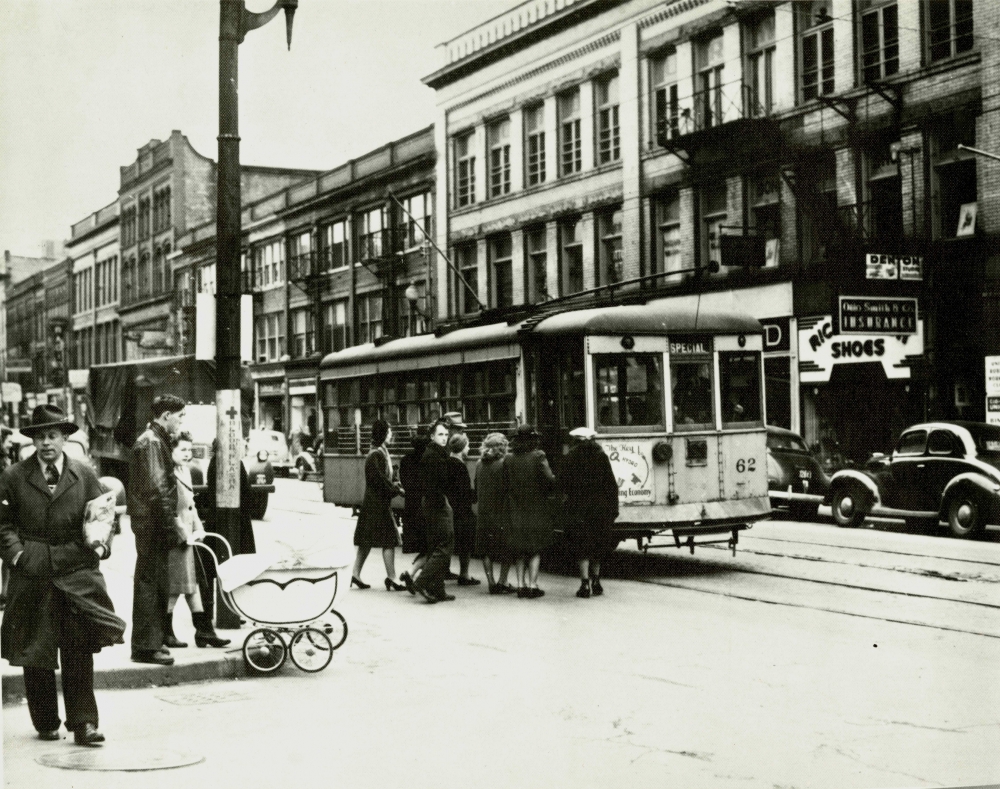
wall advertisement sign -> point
(992, 410)
(905, 267)
(632, 463)
(878, 315)
(820, 348)
(992, 375)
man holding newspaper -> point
(56, 523)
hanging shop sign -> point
(878, 315)
(820, 348)
(887, 266)
(992, 375)
(993, 410)
(271, 388)
(777, 334)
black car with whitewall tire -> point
(939, 472)
(796, 481)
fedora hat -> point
(46, 416)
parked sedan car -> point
(272, 442)
(938, 472)
(795, 477)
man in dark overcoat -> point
(58, 603)
(152, 508)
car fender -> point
(846, 476)
(989, 486)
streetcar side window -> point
(739, 372)
(691, 379)
(629, 390)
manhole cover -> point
(111, 758)
(195, 698)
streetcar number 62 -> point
(746, 464)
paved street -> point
(816, 657)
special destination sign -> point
(878, 315)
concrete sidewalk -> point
(113, 667)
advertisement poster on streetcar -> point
(632, 462)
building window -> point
(334, 244)
(818, 209)
(608, 133)
(128, 226)
(609, 229)
(370, 234)
(815, 48)
(666, 108)
(534, 133)
(161, 209)
(411, 319)
(466, 294)
(205, 279)
(714, 212)
(536, 271)
(503, 275)
(335, 326)
(144, 218)
(949, 28)
(760, 65)
(882, 215)
(570, 150)
(709, 82)
(270, 337)
(571, 244)
(145, 275)
(158, 284)
(498, 139)
(879, 41)
(300, 263)
(129, 280)
(369, 308)
(417, 219)
(668, 234)
(303, 332)
(465, 170)
(268, 259)
(765, 203)
(954, 172)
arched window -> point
(144, 276)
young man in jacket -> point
(152, 507)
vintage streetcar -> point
(675, 396)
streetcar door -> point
(559, 392)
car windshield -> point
(786, 441)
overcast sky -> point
(84, 83)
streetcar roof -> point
(655, 318)
(502, 341)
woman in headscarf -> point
(493, 513)
(376, 527)
(530, 482)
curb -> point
(142, 675)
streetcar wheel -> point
(337, 630)
(263, 651)
(965, 515)
(848, 507)
(310, 649)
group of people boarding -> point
(519, 502)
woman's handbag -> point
(99, 524)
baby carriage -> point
(290, 604)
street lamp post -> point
(234, 23)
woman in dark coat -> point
(591, 506)
(414, 528)
(438, 515)
(376, 527)
(58, 604)
(462, 497)
(493, 512)
(530, 482)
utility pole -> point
(234, 23)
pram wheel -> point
(264, 651)
(311, 649)
(337, 631)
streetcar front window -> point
(692, 393)
(740, 381)
(629, 391)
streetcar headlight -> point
(262, 455)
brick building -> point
(797, 161)
(329, 262)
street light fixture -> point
(235, 21)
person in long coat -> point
(530, 483)
(376, 527)
(462, 497)
(180, 560)
(591, 506)
(438, 514)
(493, 512)
(58, 605)
(414, 526)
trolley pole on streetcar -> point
(234, 23)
